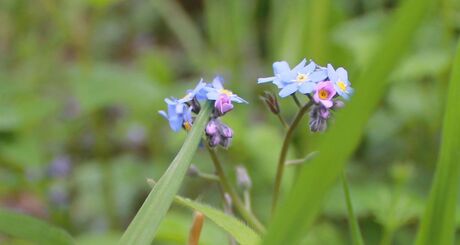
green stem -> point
(285, 125)
(353, 222)
(296, 100)
(239, 204)
(284, 150)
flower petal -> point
(217, 82)
(310, 67)
(300, 65)
(265, 79)
(238, 99)
(288, 90)
(318, 76)
(342, 73)
(307, 87)
(280, 67)
(212, 95)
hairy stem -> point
(239, 204)
(284, 150)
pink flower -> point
(324, 93)
(223, 104)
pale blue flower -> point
(179, 114)
(339, 79)
(198, 92)
(216, 89)
(302, 79)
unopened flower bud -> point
(211, 127)
(214, 140)
(242, 178)
(318, 118)
(271, 101)
(223, 104)
(225, 142)
(227, 132)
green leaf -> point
(304, 201)
(352, 220)
(438, 222)
(242, 233)
(145, 224)
(32, 229)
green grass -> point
(438, 223)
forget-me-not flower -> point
(339, 79)
(324, 93)
(179, 114)
(198, 92)
(217, 89)
(302, 79)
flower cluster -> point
(180, 111)
(321, 84)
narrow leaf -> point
(241, 232)
(352, 220)
(145, 224)
(438, 222)
(304, 200)
(32, 229)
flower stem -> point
(285, 125)
(284, 150)
(296, 100)
(353, 222)
(239, 204)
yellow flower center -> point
(226, 92)
(301, 78)
(342, 85)
(187, 126)
(323, 94)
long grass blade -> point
(352, 220)
(304, 200)
(145, 224)
(438, 222)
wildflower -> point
(303, 79)
(339, 79)
(217, 89)
(280, 69)
(198, 92)
(179, 114)
(324, 93)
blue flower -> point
(339, 79)
(280, 68)
(301, 78)
(179, 114)
(198, 92)
(216, 89)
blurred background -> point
(81, 83)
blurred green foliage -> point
(81, 83)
